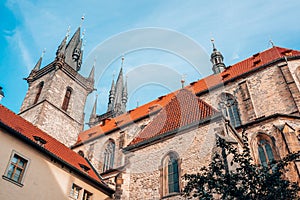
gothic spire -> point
(94, 110)
(217, 60)
(118, 94)
(125, 94)
(111, 96)
(62, 47)
(73, 53)
(37, 66)
(92, 73)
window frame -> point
(71, 194)
(67, 99)
(20, 181)
(165, 170)
(85, 192)
(40, 87)
(230, 109)
(266, 151)
(109, 155)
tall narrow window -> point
(67, 99)
(265, 152)
(39, 90)
(229, 107)
(170, 174)
(109, 156)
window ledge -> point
(12, 181)
(171, 195)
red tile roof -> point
(129, 117)
(52, 146)
(240, 68)
(184, 109)
(249, 64)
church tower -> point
(117, 100)
(57, 93)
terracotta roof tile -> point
(54, 147)
(184, 109)
(129, 117)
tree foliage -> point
(246, 181)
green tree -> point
(246, 181)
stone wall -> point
(143, 174)
(47, 113)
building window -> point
(75, 190)
(39, 90)
(265, 152)
(170, 174)
(16, 168)
(109, 155)
(87, 195)
(229, 107)
(67, 99)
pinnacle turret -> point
(217, 60)
(125, 94)
(93, 115)
(62, 48)
(118, 94)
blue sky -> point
(161, 40)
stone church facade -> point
(143, 152)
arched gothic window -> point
(67, 99)
(265, 152)
(39, 90)
(109, 156)
(170, 174)
(229, 107)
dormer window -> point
(40, 141)
(84, 168)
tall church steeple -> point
(57, 93)
(217, 60)
(118, 105)
(116, 102)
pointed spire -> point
(125, 94)
(92, 73)
(217, 59)
(111, 96)
(73, 53)
(39, 62)
(112, 88)
(62, 47)
(94, 110)
(120, 76)
(93, 115)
